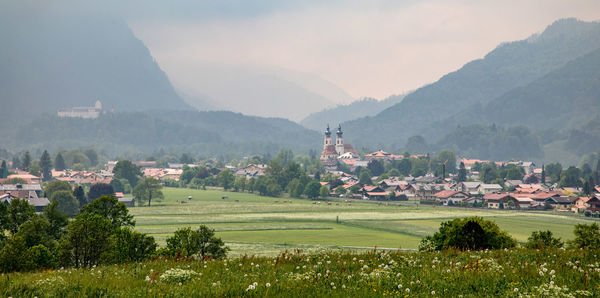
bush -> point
(543, 239)
(201, 242)
(586, 236)
(129, 246)
(177, 275)
(472, 233)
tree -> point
(100, 189)
(570, 177)
(225, 179)
(448, 157)
(354, 188)
(4, 222)
(46, 166)
(586, 236)
(312, 189)
(125, 169)
(394, 173)
(16, 162)
(129, 246)
(26, 161)
(109, 207)
(417, 144)
(239, 184)
(553, 171)
(67, 203)
(462, 173)
(588, 187)
(542, 240)
(117, 185)
(14, 256)
(340, 190)
(201, 242)
(3, 170)
(56, 219)
(19, 211)
(53, 186)
(92, 156)
(512, 173)
(404, 166)
(472, 233)
(59, 162)
(324, 192)
(376, 167)
(488, 172)
(35, 169)
(148, 189)
(86, 240)
(79, 194)
(365, 177)
(273, 189)
(186, 159)
(35, 232)
(543, 175)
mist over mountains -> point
(53, 60)
(503, 77)
(533, 98)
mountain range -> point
(517, 83)
(533, 98)
(342, 113)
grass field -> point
(251, 224)
(495, 273)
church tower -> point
(327, 138)
(339, 141)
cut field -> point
(251, 224)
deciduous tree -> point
(147, 190)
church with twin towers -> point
(332, 152)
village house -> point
(451, 197)
(469, 187)
(498, 200)
(489, 188)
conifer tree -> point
(46, 166)
(59, 162)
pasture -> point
(252, 224)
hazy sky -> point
(368, 48)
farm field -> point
(251, 224)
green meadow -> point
(252, 224)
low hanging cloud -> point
(368, 48)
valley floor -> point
(255, 225)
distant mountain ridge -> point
(354, 110)
(211, 133)
(509, 66)
(61, 60)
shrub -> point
(543, 239)
(129, 246)
(473, 233)
(176, 275)
(586, 236)
(201, 242)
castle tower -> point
(339, 141)
(327, 138)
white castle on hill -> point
(82, 112)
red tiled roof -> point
(444, 194)
(377, 193)
(369, 188)
(496, 196)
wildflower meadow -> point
(508, 273)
